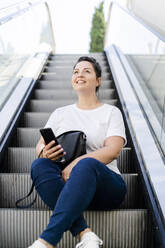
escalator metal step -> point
(68, 69)
(60, 84)
(55, 76)
(15, 186)
(19, 160)
(118, 229)
(73, 59)
(64, 59)
(76, 56)
(69, 63)
(50, 105)
(26, 137)
(127, 227)
(51, 94)
(34, 120)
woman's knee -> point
(41, 165)
(87, 163)
(37, 163)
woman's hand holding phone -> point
(53, 151)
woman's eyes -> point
(75, 72)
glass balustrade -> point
(144, 50)
(21, 34)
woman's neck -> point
(88, 102)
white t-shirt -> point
(97, 124)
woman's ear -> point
(98, 81)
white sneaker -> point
(89, 240)
(37, 244)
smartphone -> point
(48, 136)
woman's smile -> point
(80, 82)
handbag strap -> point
(31, 190)
(23, 198)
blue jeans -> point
(91, 185)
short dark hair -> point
(95, 64)
(93, 61)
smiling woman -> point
(90, 177)
(87, 70)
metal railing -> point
(144, 50)
(133, 68)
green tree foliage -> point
(98, 30)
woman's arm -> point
(111, 150)
(40, 146)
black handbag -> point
(74, 143)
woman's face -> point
(84, 78)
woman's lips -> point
(80, 82)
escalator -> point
(129, 226)
(34, 81)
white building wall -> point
(150, 11)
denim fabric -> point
(92, 185)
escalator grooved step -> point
(25, 226)
(50, 94)
(22, 184)
(55, 76)
(19, 160)
(50, 105)
(34, 120)
(129, 226)
(68, 69)
(60, 84)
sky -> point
(72, 23)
